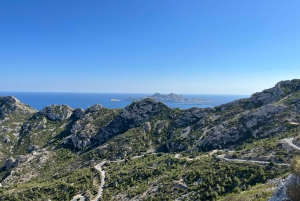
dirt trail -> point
(100, 191)
(289, 141)
(247, 161)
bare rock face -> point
(268, 96)
(280, 193)
(185, 132)
(81, 134)
(259, 115)
(10, 105)
(78, 112)
(56, 113)
(250, 123)
(160, 126)
(87, 125)
(191, 116)
(273, 94)
(94, 108)
(147, 126)
(132, 116)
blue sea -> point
(39, 100)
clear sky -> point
(180, 46)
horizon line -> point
(119, 93)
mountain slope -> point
(52, 153)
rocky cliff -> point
(13, 114)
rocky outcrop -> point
(273, 94)
(11, 105)
(268, 96)
(84, 128)
(160, 126)
(81, 135)
(191, 116)
(94, 108)
(250, 124)
(147, 126)
(78, 113)
(260, 115)
(55, 112)
(132, 116)
(185, 132)
(280, 193)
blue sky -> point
(193, 46)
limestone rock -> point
(94, 108)
(280, 193)
(56, 113)
(160, 126)
(11, 105)
(132, 116)
(78, 112)
(275, 93)
(249, 120)
(147, 126)
(185, 132)
(191, 116)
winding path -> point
(100, 191)
(98, 167)
(247, 161)
(289, 141)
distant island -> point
(169, 98)
(114, 100)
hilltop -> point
(165, 153)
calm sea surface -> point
(39, 100)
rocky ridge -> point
(60, 138)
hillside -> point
(148, 151)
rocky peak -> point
(78, 112)
(280, 90)
(132, 116)
(56, 112)
(9, 105)
(94, 108)
(9, 99)
(143, 108)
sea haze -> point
(39, 100)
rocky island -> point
(169, 98)
(114, 100)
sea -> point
(39, 100)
